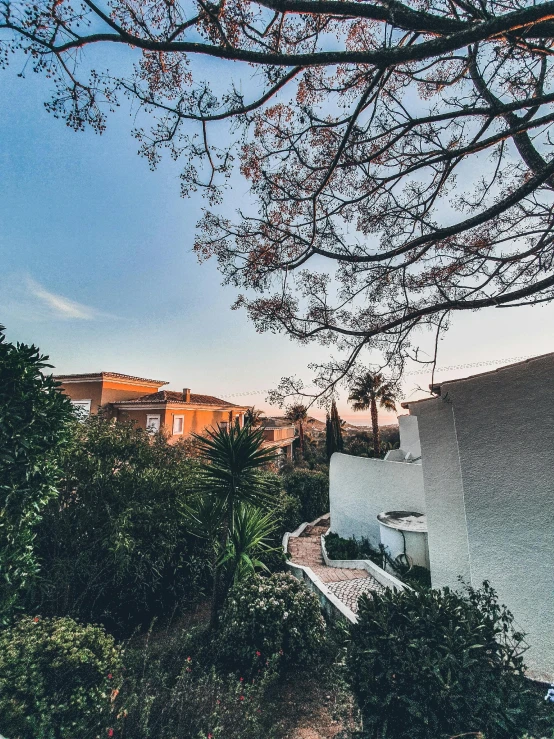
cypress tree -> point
(333, 432)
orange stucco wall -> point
(106, 391)
(85, 391)
(114, 391)
(139, 416)
(195, 421)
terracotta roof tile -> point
(174, 396)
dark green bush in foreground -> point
(114, 545)
(58, 680)
(311, 489)
(268, 616)
(432, 664)
(35, 422)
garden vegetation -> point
(144, 595)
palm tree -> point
(253, 417)
(367, 393)
(298, 414)
(230, 476)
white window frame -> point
(81, 408)
(153, 428)
(182, 431)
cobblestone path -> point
(346, 584)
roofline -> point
(436, 387)
(130, 404)
(114, 376)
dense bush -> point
(34, 426)
(172, 689)
(268, 616)
(114, 545)
(311, 489)
(58, 680)
(432, 664)
(339, 548)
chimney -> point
(186, 394)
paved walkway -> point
(346, 584)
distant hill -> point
(317, 425)
(314, 424)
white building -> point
(486, 485)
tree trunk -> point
(301, 436)
(214, 611)
(375, 425)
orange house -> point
(125, 397)
(280, 434)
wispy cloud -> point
(28, 299)
(60, 306)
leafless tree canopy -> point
(399, 154)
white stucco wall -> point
(409, 435)
(488, 457)
(444, 494)
(360, 488)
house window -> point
(224, 425)
(81, 408)
(178, 424)
(153, 423)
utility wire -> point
(469, 365)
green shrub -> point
(432, 664)
(311, 489)
(339, 548)
(172, 689)
(287, 511)
(267, 616)
(35, 418)
(114, 545)
(58, 680)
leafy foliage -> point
(58, 679)
(272, 616)
(34, 427)
(339, 548)
(431, 664)
(172, 689)
(114, 545)
(311, 488)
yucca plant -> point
(232, 461)
(249, 538)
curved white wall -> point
(489, 484)
(360, 488)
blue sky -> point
(96, 268)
